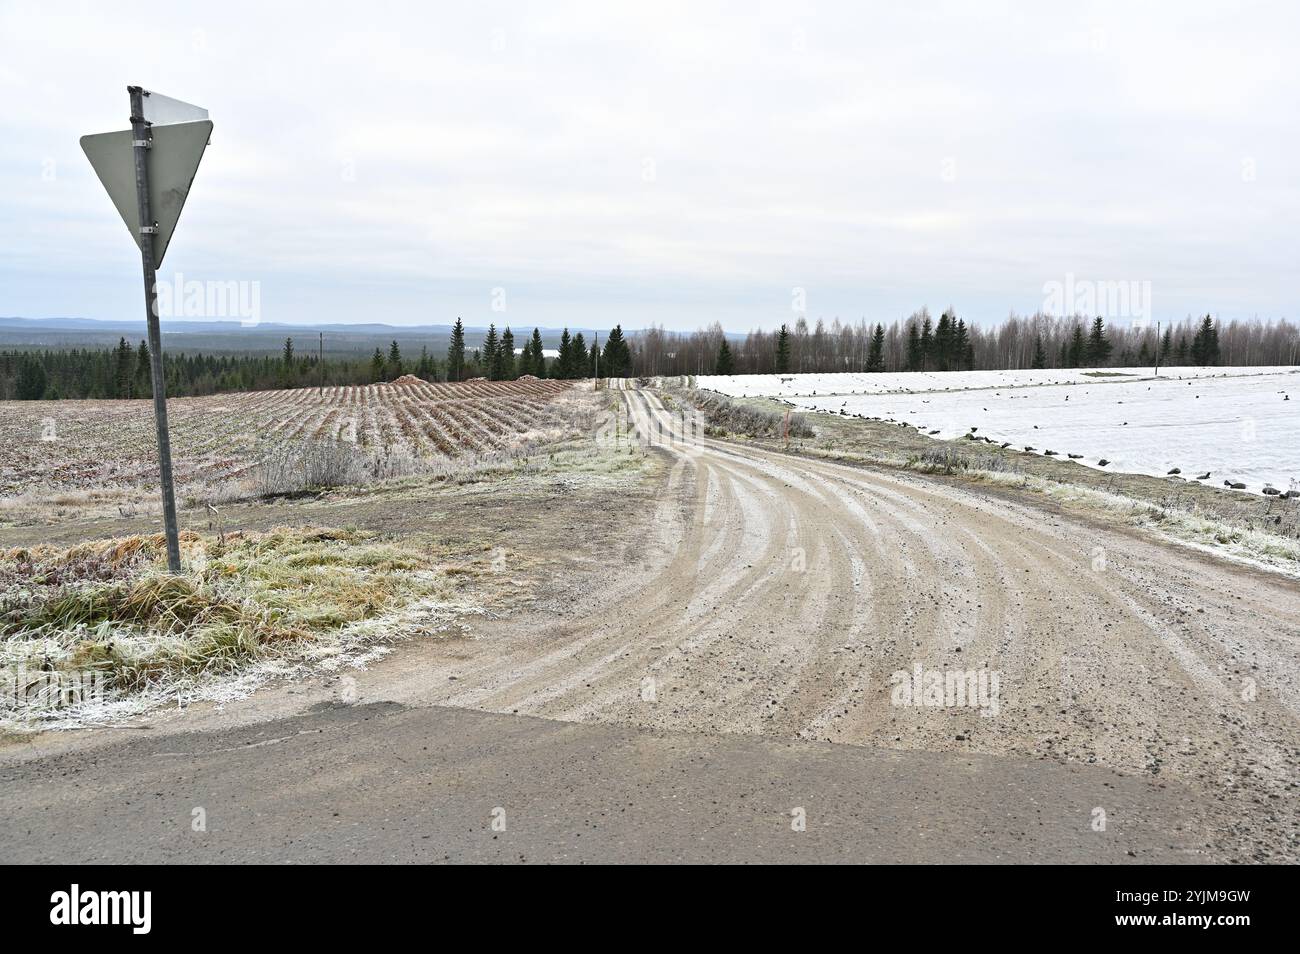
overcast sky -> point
(676, 164)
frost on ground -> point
(1234, 425)
(61, 457)
(99, 632)
(909, 382)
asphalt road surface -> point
(386, 783)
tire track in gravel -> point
(783, 593)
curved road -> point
(783, 596)
(779, 606)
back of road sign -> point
(173, 161)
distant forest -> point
(124, 371)
(919, 343)
(949, 343)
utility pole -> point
(142, 142)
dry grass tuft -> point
(110, 608)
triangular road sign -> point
(173, 161)
(160, 110)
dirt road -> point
(794, 600)
(782, 596)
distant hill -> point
(230, 337)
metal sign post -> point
(142, 142)
(147, 172)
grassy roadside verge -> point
(98, 631)
(282, 588)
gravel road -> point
(788, 603)
(782, 596)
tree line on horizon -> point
(124, 371)
(916, 344)
(919, 343)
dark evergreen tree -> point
(394, 366)
(725, 364)
(564, 364)
(580, 356)
(492, 354)
(424, 366)
(539, 358)
(456, 353)
(963, 350)
(944, 351)
(616, 361)
(783, 350)
(123, 369)
(914, 356)
(143, 372)
(1078, 353)
(377, 366)
(507, 355)
(876, 356)
(1099, 346)
(1205, 344)
(30, 385)
(1040, 356)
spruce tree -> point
(491, 354)
(615, 359)
(1205, 344)
(377, 366)
(725, 363)
(927, 344)
(123, 369)
(507, 352)
(394, 362)
(143, 372)
(914, 357)
(580, 356)
(783, 350)
(876, 356)
(963, 348)
(943, 343)
(1040, 356)
(539, 359)
(456, 353)
(1099, 347)
(564, 364)
(1078, 348)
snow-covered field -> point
(1236, 424)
